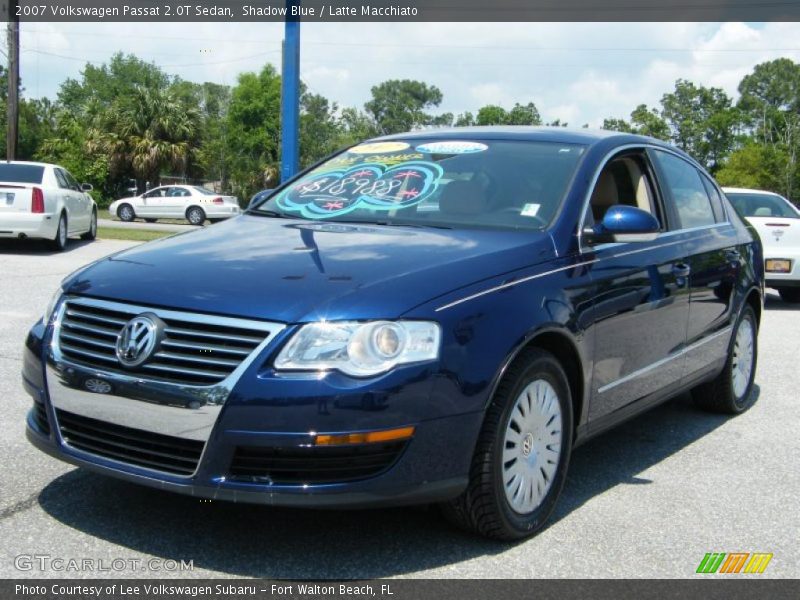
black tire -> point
(483, 507)
(126, 213)
(790, 295)
(59, 243)
(195, 215)
(150, 220)
(719, 395)
(92, 233)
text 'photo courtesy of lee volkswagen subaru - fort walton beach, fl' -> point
(430, 317)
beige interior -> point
(606, 192)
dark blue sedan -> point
(440, 316)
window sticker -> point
(452, 147)
(371, 186)
(376, 147)
(530, 210)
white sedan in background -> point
(778, 224)
(44, 201)
(190, 202)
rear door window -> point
(689, 197)
(14, 173)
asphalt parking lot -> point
(646, 500)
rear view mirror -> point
(258, 197)
(623, 223)
(87, 187)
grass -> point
(102, 213)
(138, 235)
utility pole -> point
(12, 123)
(290, 95)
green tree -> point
(401, 105)
(526, 114)
(465, 119)
(756, 165)
(648, 121)
(145, 132)
(491, 114)
(702, 122)
(253, 131)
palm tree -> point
(145, 132)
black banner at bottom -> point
(708, 588)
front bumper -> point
(35, 226)
(267, 411)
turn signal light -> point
(37, 201)
(368, 437)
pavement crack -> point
(19, 507)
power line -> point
(440, 46)
(165, 66)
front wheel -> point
(731, 392)
(522, 454)
(195, 215)
(92, 233)
(790, 295)
(125, 213)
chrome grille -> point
(196, 349)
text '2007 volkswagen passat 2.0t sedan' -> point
(435, 317)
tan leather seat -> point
(604, 196)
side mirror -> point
(87, 187)
(623, 223)
(259, 197)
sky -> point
(579, 73)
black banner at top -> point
(400, 10)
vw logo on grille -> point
(137, 340)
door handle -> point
(681, 270)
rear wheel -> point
(125, 213)
(790, 295)
(60, 241)
(195, 215)
(731, 391)
(522, 454)
(92, 233)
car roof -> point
(562, 135)
(31, 163)
(736, 190)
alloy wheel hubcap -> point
(743, 354)
(62, 232)
(532, 446)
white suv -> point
(44, 201)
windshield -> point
(453, 183)
(21, 173)
(762, 205)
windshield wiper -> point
(392, 224)
(269, 213)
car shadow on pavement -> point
(39, 247)
(253, 541)
(772, 301)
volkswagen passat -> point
(429, 317)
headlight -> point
(360, 349)
(51, 306)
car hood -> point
(295, 271)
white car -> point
(190, 202)
(44, 201)
(778, 224)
